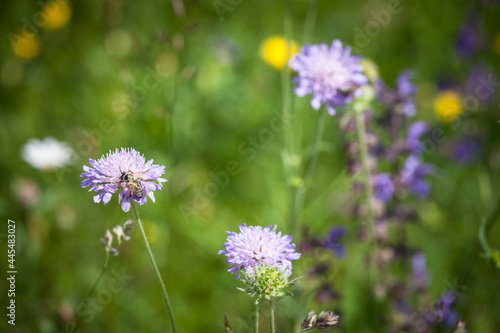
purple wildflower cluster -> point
(330, 73)
(407, 175)
(124, 169)
(255, 246)
(402, 99)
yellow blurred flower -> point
(496, 44)
(273, 51)
(448, 106)
(57, 13)
(26, 45)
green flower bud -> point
(266, 282)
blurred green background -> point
(188, 88)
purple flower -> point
(444, 312)
(415, 131)
(406, 92)
(125, 169)
(470, 40)
(256, 246)
(467, 150)
(333, 241)
(384, 187)
(420, 277)
(413, 176)
(330, 73)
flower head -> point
(420, 276)
(57, 15)
(255, 246)
(406, 92)
(330, 73)
(46, 154)
(444, 313)
(323, 320)
(415, 131)
(401, 99)
(467, 149)
(26, 45)
(413, 175)
(448, 106)
(333, 241)
(384, 187)
(125, 169)
(275, 51)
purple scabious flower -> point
(415, 131)
(406, 91)
(125, 169)
(255, 246)
(413, 175)
(333, 241)
(330, 73)
(384, 187)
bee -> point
(347, 91)
(133, 184)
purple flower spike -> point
(406, 91)
(413, 175)
(333, 241)
(255, 246)
(415, 131)
(384, 187)
(444, 312)
(420, 276)
(125, 169)
(330, 73)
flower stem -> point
(257, 306)
(271, 316)
(96, 283)
(309, 21)
(155, 268)
(360, 124)
(311, 166)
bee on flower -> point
(124, 169)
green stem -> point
(310, 21)
(289, 161)
(360, 124)
(286, 87)
(96, 283)
(271, 316)
(311, 167)
(257, 306)
(155, 267)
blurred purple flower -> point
(415, 131)
(384, 187)
(125, 169)
(444, 312)
(406, 92)
(482, 82)
(420, 278)
(467, 150)
(330, 73)
(413, 176)
(334, 241)
(469, 38)
(255, 246)
(403, 97)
